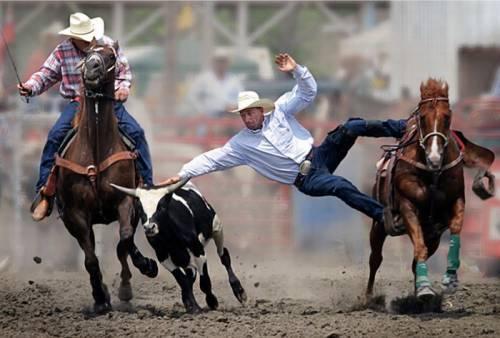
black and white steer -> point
(179, 222)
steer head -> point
(152, 202)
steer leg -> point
(185, 282)
(225, 258)
(205, 283)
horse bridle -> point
(424, 138)
(94, 53)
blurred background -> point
(190, 59)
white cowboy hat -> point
(249, 99)
(84, 28)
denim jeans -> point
(63, 125)
(327, 157)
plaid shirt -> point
(61, 66)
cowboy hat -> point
(84, 28)
(250, 99)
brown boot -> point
(41, 210)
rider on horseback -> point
(62, 65)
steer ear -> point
(132, 192)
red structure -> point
(480, 121)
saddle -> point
(50, 187)
(473, 156)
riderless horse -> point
(424, 185)
(96, 156)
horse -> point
(424, 187)
(96, 156)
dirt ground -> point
(299, 295)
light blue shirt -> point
(276, 150)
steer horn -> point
(172, 187)
(128, 191)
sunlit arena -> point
(249, 169)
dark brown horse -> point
(424, 185)
(97, 156)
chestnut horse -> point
(427, 187)
(96, 156)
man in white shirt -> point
(275, 145)
(214, 92)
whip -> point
(13, 63)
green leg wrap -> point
(422, 278)
(453, 255)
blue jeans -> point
(63, 125)
(327, 157)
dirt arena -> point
(289, 295)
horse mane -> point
(433, 88)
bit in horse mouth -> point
(92, 82)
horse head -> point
(433, 121)
(99, 65)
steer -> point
(178, 223)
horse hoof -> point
(103, 308)
(212, 302)
(193, 308)
(125, 293)
(449, 283)
(425, 293)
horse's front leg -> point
(82, 231)
(128, 219)
(127, 231)
(450, 279)
(420, 253)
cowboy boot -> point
(41, 206)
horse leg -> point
(225, 258)
(128, 224)
(85, 237)
(450, 280)
(377, 239)
(127, 232)
(420, 254)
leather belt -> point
(304, 169)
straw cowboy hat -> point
(249, 99)
(84, 28)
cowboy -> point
(278, 147)
(61, 65)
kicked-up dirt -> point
(291, 296)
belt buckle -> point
(305, 167)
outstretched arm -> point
(218, 159)
(303, 93)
